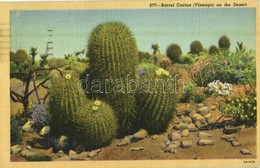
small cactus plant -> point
(174, 52)
(96, 124)
(65, 101)
(113, 56)
(224, 43)
(196, 47)
(156, 106)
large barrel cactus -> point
(113, 61)
(96, 124)
(156, 100)
(65, 101)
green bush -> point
(113, 55)
(156, 102)
(242, 109)
(224, 43)
(191, 95)
(186, 59)
(16, 131)
(64, 103)
(174, 52)
(213, 50)
(96, 124)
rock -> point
(140, 135)
(26, 153)
(245, 151)
(174, 136)
(63, 143)
(192, 113)
(198, 124)
(211, 120)
(77, 157)
(204, 135)
(64, 158)
(71, 152)
(203, 110)
(183, 126)
(225, 137)
(16, 149)
(29, 147)
(27, 126)
(154, 137)
(125, 141)
(187, 120)
(200, 105)
(213, 107)
(172, 148)
(186, 144)
(45, 131)
(209, 115)
(94, 153)
(198, 117)
(192, 127)
(185, 133)
(60, 153)
(137, 149)
(80, 149)
(230, 129)
(184, 112)
(235, 143)
(231, 139)
(204, 142)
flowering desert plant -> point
(219, 88)
(242, 109)
(40, 115)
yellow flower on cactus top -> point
(97, 103)
(67, 76)
(95, 108)
(162, 71)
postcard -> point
(129, 83)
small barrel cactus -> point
(224, 42)
(156, 106)
(174, 52)
(96, 124)
(196, 47)
(65, 101)
(213, 50)
(113, 57)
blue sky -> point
(71, 28)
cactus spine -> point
(65, 101)
(96, 124)
(156, 107)
(114, 56)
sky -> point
(71, 28)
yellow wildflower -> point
(97, 103)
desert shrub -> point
(186, 59)
(234, 68)
(190, 94)
(16, 131)
(96, 124)
(242, 109)
(213, 50)
(143, 68)
(224, 43)
(115, 59)
(166, 63)
(156, 102)
(40, 115)
(38, 157)
(57, 62)
(65, 101)
(145, 57)
(196, 47)
(173, 51)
